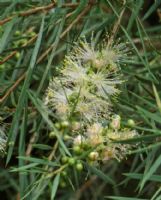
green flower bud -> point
(66, 137)
(52, 134)
(77, 149)
(11, 143)
(32, 33)
(76, 126)
(63, 184)
(115, 123)
(131, 123)
(71, 161)
(93, 155)
(57, 125)
(64, 159)
(79, 166)
(17, 55)
(65, 124)
(64, 173)
(17, 33)
(22, 41)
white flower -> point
(122, 134)
(94, 129)
(73, 72)
(78, 140)
(105, 86)
(94, 134)
(116, 122)
(108, 54)
(57, 98)
(115, 53)
(93, 109)
(86, 51)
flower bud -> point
(63, 184)
(71, 161)
(17, 55)
(98, 63)
(79, 166)
(115, 123)
(64, 173)
(131, 123)
(65, 124)
(93, 156)
(64, 159)
(76, 126)
(77, 149)
(58, 125)
(17, 33)
(66, 137)
(52, 134)
(79, 140)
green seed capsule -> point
(17, 33)
(66, 137)
(79, 166)
(64, 173)
(17, 55)
(65, 124)
(131, 123)
(11, 143)
(71, 161)
(32, 33)
(93, 156)
(64, 159)
(63, 184)
(52, 134)
(58, 125)
(77, 149)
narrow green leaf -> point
(100, 174)
(150, 172)
(55, 186)
(39, 161)
(157, 98)
(6, 34)
(152, 9)
(123, 198)
(45, 115)
(25, 167)
(15, 123)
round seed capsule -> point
(64, 173)
(52, 134)
(58, 125)
(63, 184)
(17, 55)
(71, 161)
(64, 159)
(93, 155)
(77, 149)
(79, 166)
(17, 33)
(131, 123)
(65, 124)
(66, 137)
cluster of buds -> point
(105, 140)
(81, 97)
(21, 39)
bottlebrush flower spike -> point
(81, 95)
(85, 85)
